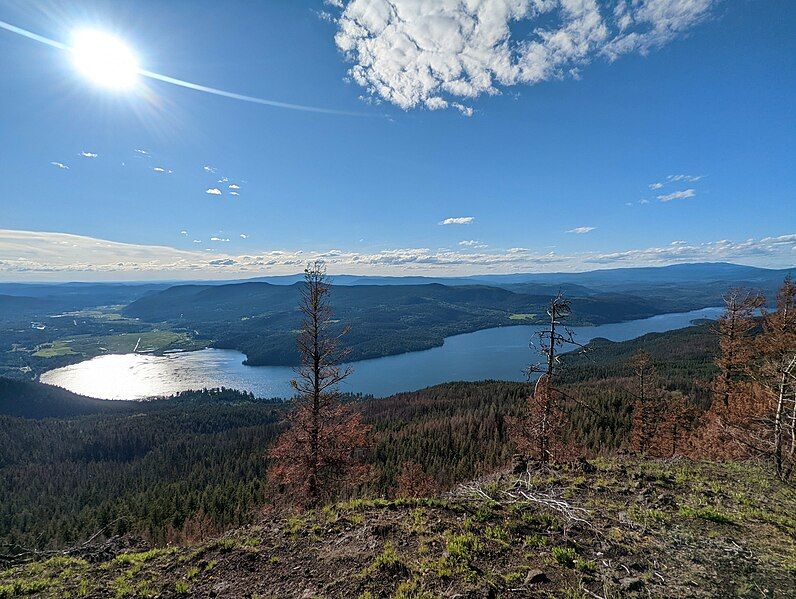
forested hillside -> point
(260, 319)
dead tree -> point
(542, 432)
(319, 450)
(646, 404)
(734, 328)
(776, 375)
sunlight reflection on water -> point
(499, 353)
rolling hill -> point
(260, 319)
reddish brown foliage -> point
(315, 468)
(754, 408)
(414, 481)
(320, 450)
(542, 433)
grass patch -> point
(564, 556)
(387, 561)
(706, 513)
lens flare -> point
(104, 59)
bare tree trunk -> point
(778, 424)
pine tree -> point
(320, 450)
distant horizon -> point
(332, 275)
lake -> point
(498, 353)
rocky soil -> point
(623, 528)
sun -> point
(104, 59)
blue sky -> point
(582, 135)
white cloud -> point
(60, 165)
(234, 193)
(244, 236)
(160, 169)
(581, 230)
(654, 186)
(218, 239)
(197, 241)
(643, 201)
(472, 243)
(88, 154)
(233, 186)
(438, 53)
(684, 178)
(458, 220)
(183, 232)
(209, 169)
(34, 255)
(677, 195)
(213, 191)
(223, 180)
(141, 152)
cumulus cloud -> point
(233, 186)
(85, 154)
(244, 236)
(677, 195)
(581, 230)
(60, 165)
(234, 193)
(213, 191)
(440, 53)
(218, 239)
(60, 256)
(184, 232)
(197, 241)
(473, 243)
(457, 220)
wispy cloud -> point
(59, 256)
(581, 230)
(160, 169)
(234, 193)
(684, 178)
(677, 195)
(655, 186)
(141, 152)
(85, 154)
(458, 220)
(213, 191)
(183, 232)
(443, 53)
(60, 165)
(218, 239)
(209, 169)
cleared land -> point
(150, 342)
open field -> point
(149, 342)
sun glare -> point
(104, 59)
